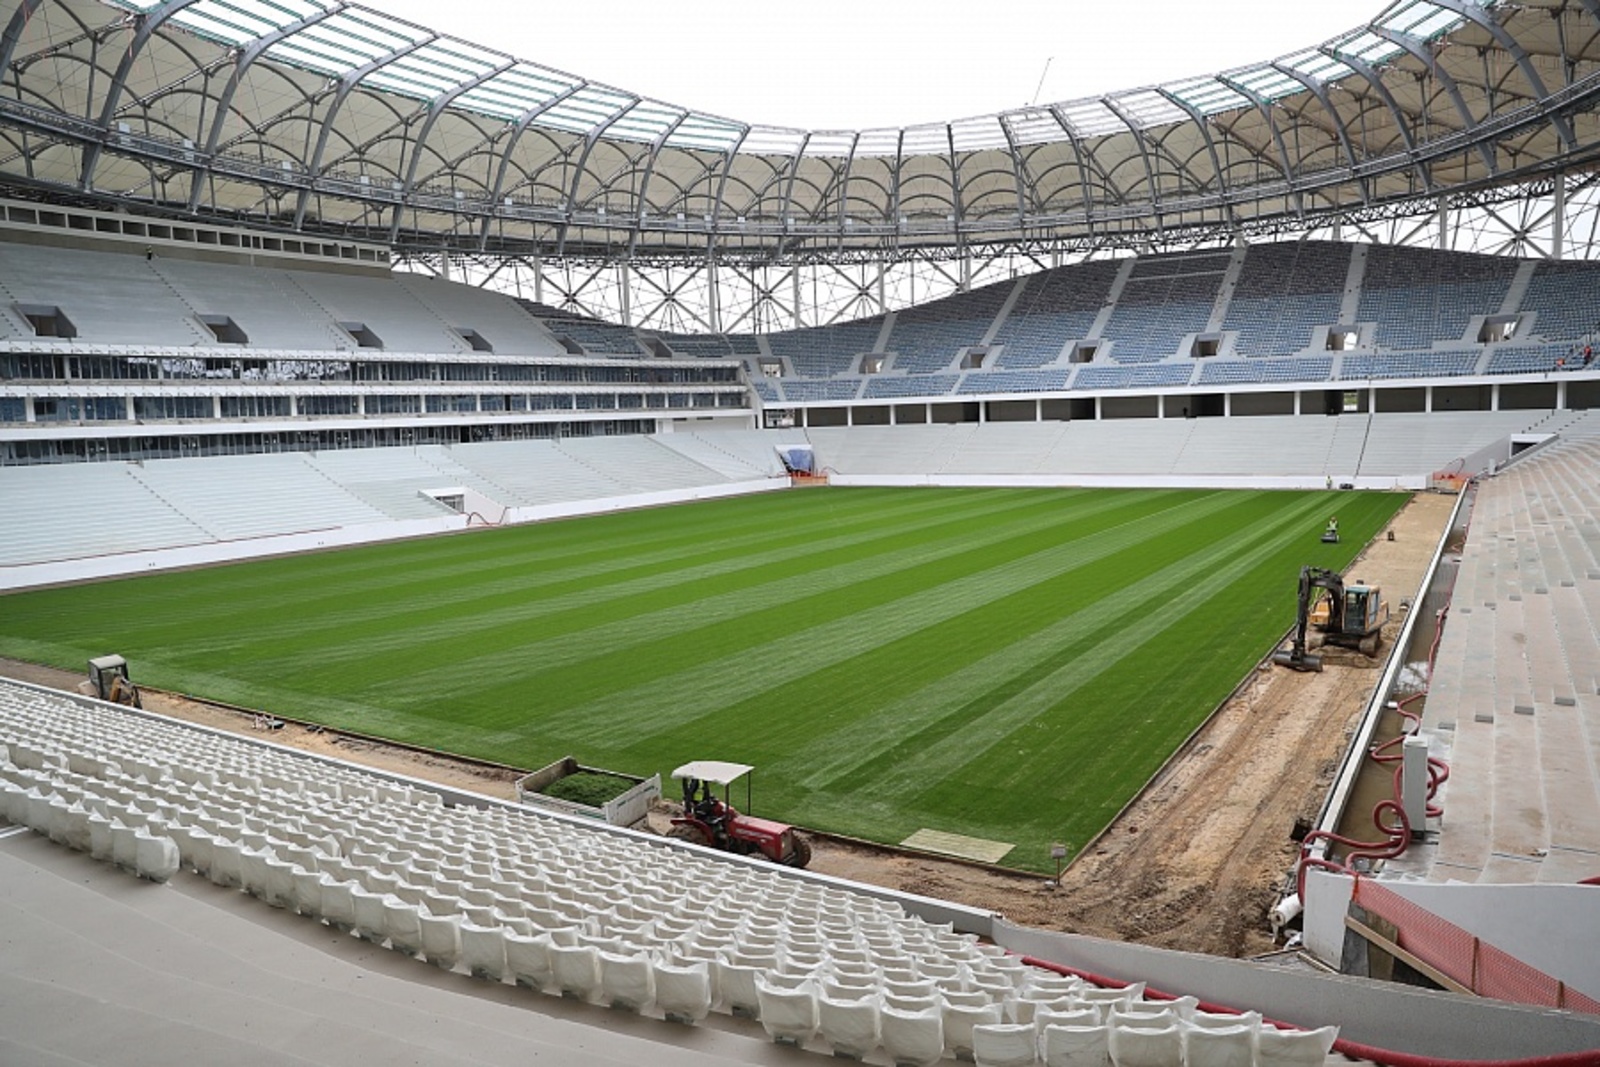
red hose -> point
(1396, 838)
(1353, 1049)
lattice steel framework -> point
(1474, 119)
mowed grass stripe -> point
(587, 617)
(889, 658)
(1100, 614)
(842, 633)
(985, 742)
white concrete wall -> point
(1554, 928)
(24, 576)
(1381, 1014)
(567, 509)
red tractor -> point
(711, 820)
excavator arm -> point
(1312, 579)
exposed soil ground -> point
(1193, 863)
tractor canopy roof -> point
(716, 772)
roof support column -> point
(13, 32)
(1558, 216)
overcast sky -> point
(849, 64)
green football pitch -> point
(1006, 664)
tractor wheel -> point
(802, 852)
(691, 834)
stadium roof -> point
(335, 116)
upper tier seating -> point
(824, 351)
(1562, 295)
(925, 338)
(1417, 296)
(1164, 299)
(1055, 307)
(1284, 292)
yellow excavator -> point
(109, 680)
(1350, 616)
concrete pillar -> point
(1414, 782)
(1038, 409)
(1561, 396)
(127, 405)
(1227, 405)
(28, 414)
(1494, 397)
(216, 406)
(1427, 398)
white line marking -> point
(12, 832)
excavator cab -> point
(109, 680)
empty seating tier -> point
(511, 896)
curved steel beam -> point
(577, 173)
(727, 166)
(1199, 120)
(1144, 156)
(247, 57)
(1265, 108)
(1381, 91)
(788, 188)
(844, 185)
(1418, 50)
(642, 197)
(1083, 167)
(347, 83)
(1320, 91)
(436, 109)
(147, 24)
(14, 31)
(523, 122)
(1016, 169)
(1476, 15)
(242, 65)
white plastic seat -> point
(627, 981)
(1179, 1008)
(370, 917)
(227, 863)
(575, 970)
(1221, 1046)
(737, 984)
(912, 1037)
(280, 882)
(1043, 1016)
(124, 846)
(155, 858)
(1107, 999)
(683, 990)
(849, 1020)
(1076, 1046)
(959, 1019)
(1223, 1020)
(441, 938)
(403, 925)
(1004, 1045)
(339, 904)
(1294, 1048)
(1146, 1046)
(788, 1014)
(528, 958)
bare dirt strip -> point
(1192, 864)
